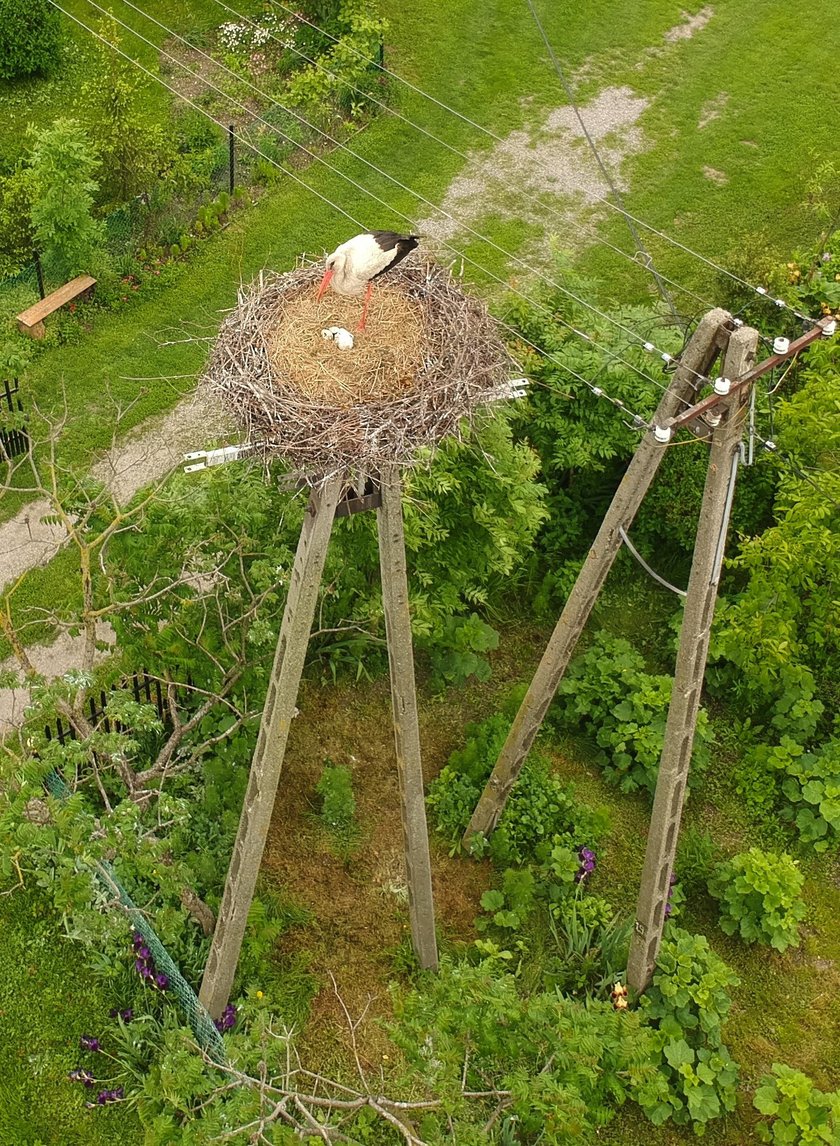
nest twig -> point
(429, 357)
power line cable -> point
(663, 290)
(649, 346)
(637, 420)
(368, 96)
(760, 291)
(409, 190)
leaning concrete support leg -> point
(406, 726)
(271, 746)
(698, 357)
(690, 668)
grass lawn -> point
(48, 1000)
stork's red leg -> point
(363, 320)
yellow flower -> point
(259, 994)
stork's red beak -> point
(325, 282)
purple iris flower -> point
(227, 1018)
(127, 1015)
(161, 980)
(88, 1043)
(137, 939)
(587, 864)
(106, 1096)
(143, 968)
(81, 1075)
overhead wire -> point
(389, 110)
(637, 420)
(445, 143)
(570, 95)
(760, 291)
(649, 346)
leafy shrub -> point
(810, 786)
(509, 906)
(759, 894)
(456, 654)
(30, 38)
(799, 1114)
(687, 1005)
(567, 1064)
(541, 813)
(591, 942)
(608, 694)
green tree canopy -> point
(30, 38)
(63, 188)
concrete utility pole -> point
(690, 668)
(278, 713)
(697, 358)
(406, 724)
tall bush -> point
(63, 188)
(30, 38)
(776, 642)
(132, 150)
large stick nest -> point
(429, 357)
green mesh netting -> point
(203, 1027)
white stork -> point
(353, 266)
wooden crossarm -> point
(31, 321)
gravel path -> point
(145, 455)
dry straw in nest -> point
(429, 357)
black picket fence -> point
(14, 439)
(146, 689)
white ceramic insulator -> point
(781, 345)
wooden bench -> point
(31, 321)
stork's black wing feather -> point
(401, 245)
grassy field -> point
(48, 1000)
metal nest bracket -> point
(204, 459)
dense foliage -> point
(607, 694)
(541, 814)
(564, 1065)
(30, 38)
(687, 1004)
(759, 896)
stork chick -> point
(353, 266)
